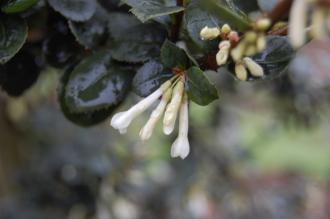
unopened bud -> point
(238, 51)
(255, 69)
(263, 24)
(241, 72)
(225, 29)
(223, 54)
(250, 37)
(261, 43)
(250, 50)
(298, 20)
(318, 29)
(209, 33)
(233, 37)
(173, 108)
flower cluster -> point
(299, 19)
(173, 101)
(239, 48)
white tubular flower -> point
(255, 69)
(122, 120)
(147, 130)
(298, 21)
(180, 147)
(209, 33)
(173, 108)
(222, 55)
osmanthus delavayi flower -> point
(239, 48)
(173, 102)
(319, 20)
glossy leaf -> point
(13, 33)
(19, 74)
(148, 9)
(93, 32)
(199, 88)
(173, 56)
(76, 10)
(96, 83)
(276, 57)
(149, 77)
(200, 13)
(16, 6)
(133, 41)
(85, 118)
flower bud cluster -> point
(315, 13)
(173, 101)
(238, 50)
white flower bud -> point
(261, 43)
(238, 51)
(180, 147)
(298, 20)
(173, 108)
(122, 120)
(241, 72)
(225, 29)
(318, 29)
(147, 130)
(263, 24)
(209, 33)
(255, 69)
(222, 55)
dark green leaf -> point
(76, 10)
(201, 13)
(13, 33)
(133, 41)
(60, 49)
(149, 77)
(244, 6)
(173, 56)
(83, 119)
(148, 9)
(19, 74)
(97, 83)
(276, 57)
(199, 88)
(16, 6)
(91, 33)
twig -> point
(175, 31)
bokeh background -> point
(261, 151)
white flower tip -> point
(121, 121)
(180, 148)
(145, 133)
(168, 129)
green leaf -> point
(96, 83)
(149, 77)
(133, 41)
(13, 33)
(93, 32)
(201, 13)
(148, 9)
(276, 57)
(85, 119)
(76, 10)
(199, 88)
(16, 6)
(173, 56)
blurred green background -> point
(260, 152)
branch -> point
(281, 9)
(175, 31)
